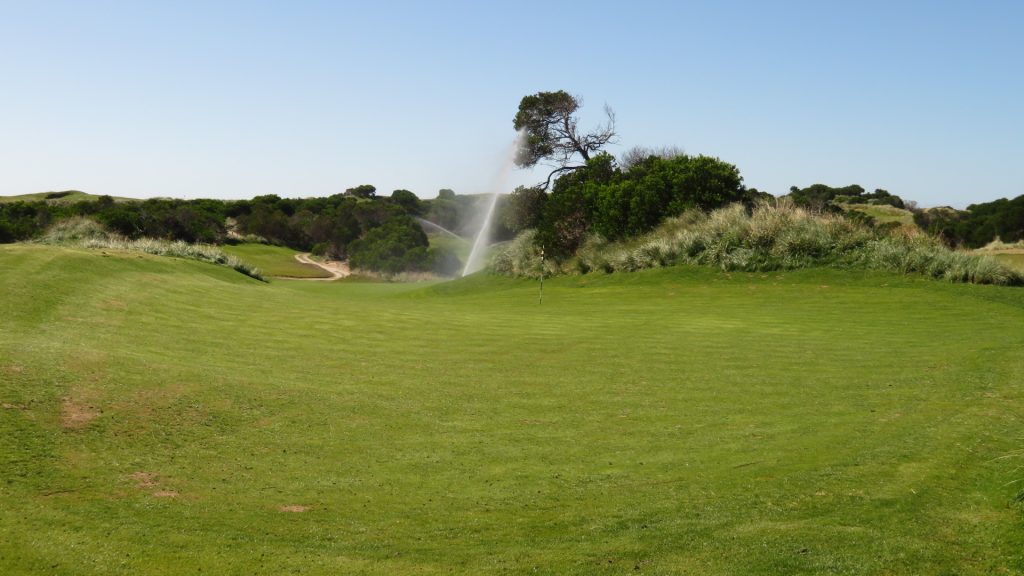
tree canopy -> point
(551, 134)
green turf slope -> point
(162, 416)
(276, 261)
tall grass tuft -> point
(772, 236)
(522, 257)
(86, 233)
(72, 230)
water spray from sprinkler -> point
(540, 297)
(475, 261)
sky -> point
(235, 99)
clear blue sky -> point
(234, 99)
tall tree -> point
(551, 133)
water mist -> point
(476, 259)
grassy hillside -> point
(883, 214)
(1014, 259)
(274, 260)
(163, 416)
(66, 197)
(461, 247)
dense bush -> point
(396, 246)
(328, 225)
(186, 220)
(603, 199)
(25, 220)
(822, 197)
(978, 225)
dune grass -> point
(276, 261)
(82, 232)
(163, 416)
(771, 236)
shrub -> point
(601, 198)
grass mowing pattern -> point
(274, 260)
(674, 421)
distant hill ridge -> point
(61, 197)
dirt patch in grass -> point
(13, 369)
(151, 481)
(144, 479)
(335, 268)
(76, 415)
(293, 508)
(113, 304)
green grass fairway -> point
(162, 416)
(274, 261)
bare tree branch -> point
(547, 182)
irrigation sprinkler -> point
(540, 298)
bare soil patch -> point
(75, 415)
(293, 508)
(144, 479)
(151, 481)
(334, 268)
